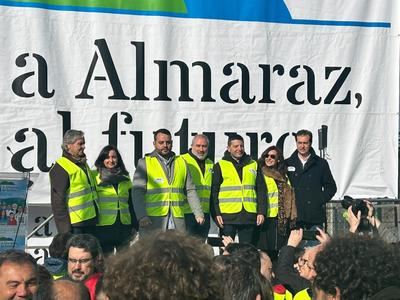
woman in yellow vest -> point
(281, 206)
(116, 218)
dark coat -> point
(314, 186)
(286, 274)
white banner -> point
(118, 75)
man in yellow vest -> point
(201, 169)
(73, 193)
(161, 186)
(238, 194)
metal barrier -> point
(386, 210)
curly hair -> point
(359, 266)
(169, 265)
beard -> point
(200, 156)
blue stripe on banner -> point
(269, 11)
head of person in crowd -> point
(303, 142)
(18, 275)
(199, 146)
(166, 265)
(84, 256)
(357, 267)
(240, 280)
(306, 262)
(245, 251)
(266, 266)
(56, 263)
(236, 146)
(272, 158)
(110, 158)
(74, 143)
(163, 142)
(57, 246)
(69, 290)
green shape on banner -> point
(172, 6)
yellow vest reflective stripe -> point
(302, 295)
(235, 194)
(110, 202)
(81, 195)
(160, 194)
(272, 189)
(202, 182)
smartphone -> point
(215, 241)
(310, 235)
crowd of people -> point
(269, 206)
(172, 264)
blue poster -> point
(13, 212)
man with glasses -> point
(298, 281)
(84, 257)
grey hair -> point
(197, 136)
(70, 137)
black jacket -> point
(243, 217)
(286, 274)
(314, 186)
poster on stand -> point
(13, 211)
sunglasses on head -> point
(273, 156)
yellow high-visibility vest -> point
(273, 196)
(235, 194)
(160, 194)
(111, 202)
(272, 189)
(302, 295)
(202, 182)
(81, 195)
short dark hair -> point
(163, 131)
(57, 246)
(234, 137)
(166, 265)
(18, 257)
(240, 279)
(245, 251)
(87, 242)
(359, 266)
(99, 163)
(304, 132)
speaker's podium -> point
(13, 210)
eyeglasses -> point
(304, 262)
(82, 261)
(273, 156)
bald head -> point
(69, 290)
